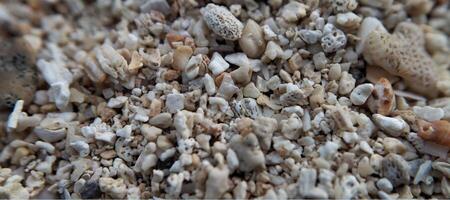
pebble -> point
(293, 11)
(162, 120)
(310, 36)
(361, 93)
(385, 185)
(428, 113)
(222, 22)
(320, 60)
(422, 172)
(442, 167)
(346, 83)
(395, 169)
(393, 145)
(90, 190)
(252, 41)
(392, 126)
(218, 64)
(348, 20)
(248, 151)
(174, 102)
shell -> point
(437, 131)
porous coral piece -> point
(402, 53)
(220, 20)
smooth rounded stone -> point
(364, 167)
(361, 93)
(222, 22)
(162, 120)
(385, 185)
(150, 133)
(18, 74)
(392, 126)
(428, 113)
(90, 190)
(395, 169)
(252, 41)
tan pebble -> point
(393, 145)
(251, 91)
(244, 126)
(155, 107)
(110, 154)
(364, 167)
(317, 97)
(181, 57)
(346, 83)
(252, 41)
(170, 75)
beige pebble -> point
(252, 41)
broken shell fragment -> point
(437, 131)
(382, 100)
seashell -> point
(51, 129)
(361, 93)
(437, 131)
(382, 100)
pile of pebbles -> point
(224, 99)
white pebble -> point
(218, 64)
(428, 113)
(174, 103)
(361, 93)
(392, 126)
